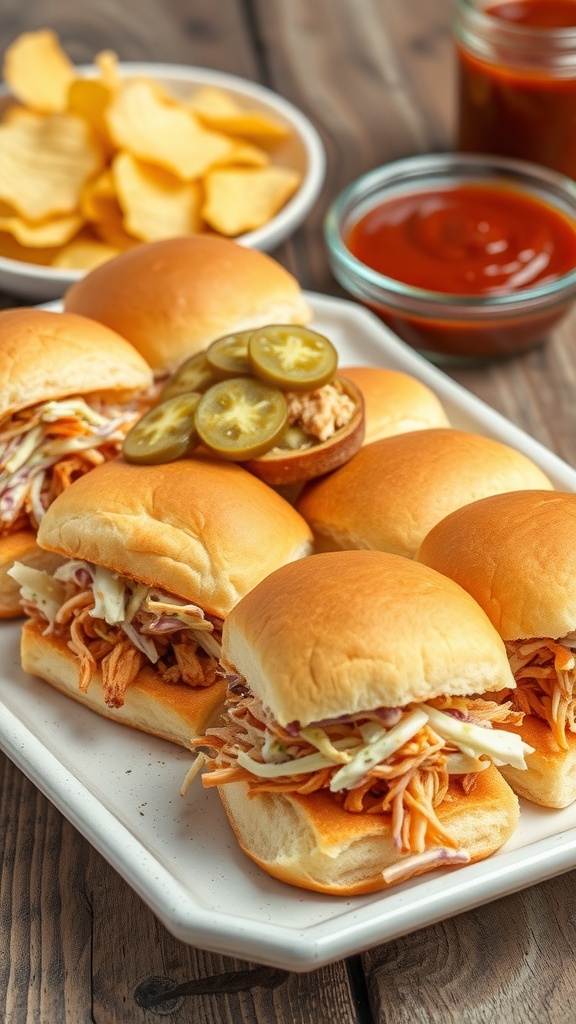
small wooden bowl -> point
(282, 466)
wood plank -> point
(376, 80)
(509, 961)
(79, 945)
(212, 34)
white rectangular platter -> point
(121, 789)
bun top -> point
(516, 555)
(393, 491)
(394, 402)
(173, 297)
(349, 631)
(46, 355)
(204, 530)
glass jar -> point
(447, 325)
(517, 80)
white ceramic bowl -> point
(302, 150)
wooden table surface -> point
(377, 79)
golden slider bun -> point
(311, 842)
(46, 355)
(394, 402)
(172, 711)
(202, 529)
(173, 297)
(393, 491)
(19, 547)
(349, 631)
(516, 554)
(550, 779)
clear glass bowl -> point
(442, 325)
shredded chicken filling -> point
(320, 413)
(120, 626)
(545, 673)
(409, 785)
(45, 447)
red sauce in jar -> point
(517, 97)
(536, 13)
(474, 240)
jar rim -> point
(497, 39)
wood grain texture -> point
(76, 942)
(503, 962)
(377, 79)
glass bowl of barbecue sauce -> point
(465, 257)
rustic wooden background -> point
(377, 79)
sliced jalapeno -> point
(165, 433)
(241, 418)
(195, 374)
(228, 356)
(295, 439)
(291, 357)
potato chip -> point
(250, 124)
(164, 134)
(38, 71)
(248, 154)
(89, 98)
(100, 207)
(156, 204)
(219, 110)
(107, 63)
(97, 195)
(243, 199)
(213, 102)
(10, 249)
(16, 112)
(112, 231)
(84, 253)
(44, 163)
(92, 165)
(42, 234)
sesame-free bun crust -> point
(349, 631)
(202, 529)
(309, 841)
(394, 402)
(550, 778)
(172, 711)
(19, 547)
(173, 297)
(46, 355)
(516, 554)
(393, 491)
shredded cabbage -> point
(477, 748)
(39, 586)
(502, 746)
(109, 596)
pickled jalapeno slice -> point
(291, 357)
(195, 374)
(241, 418)
(165, 433)
(228, 356)
(295, 439)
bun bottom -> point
(550, 779)
(310, 842)
(20, 547)
(172, 711)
